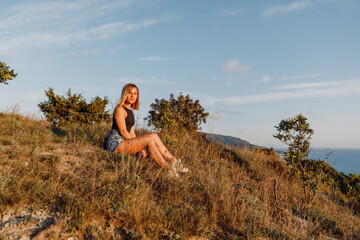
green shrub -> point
(73, 109)
(5, 73)
(182, 114)
(296, 133)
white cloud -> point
(287, 8)
(266, 78)
(30, 14)
(19, 44)
(40, 14)
(114, 5)
(310, 75)
(308, 85)
(234, 66)
(156, 58)
(106, 31)
(220, 112)
(296, 91)
(150, 22)
(52, 24)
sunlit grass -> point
(229, 193)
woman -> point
(122, 136)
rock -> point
(7, 225)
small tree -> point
(296, 133)
(182, 114)
(73, 109)
(6, 73)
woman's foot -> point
(179, 167)
(173, 173)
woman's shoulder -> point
(120, 110)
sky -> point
(250, 63)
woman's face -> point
(132, 96)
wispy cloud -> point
(39, 14)
(287, 8)
(295, 91)
(310, 75)
(114, 5)
(308, 85)
(19, 44)
(266, 78)
(156, 58)
(234, 66)
(218, 113)
(50, 25)
(153, 21)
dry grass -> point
(228, 194)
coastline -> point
(345, 160)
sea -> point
(346, 160)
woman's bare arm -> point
(132, 132)
(120, 115)
(143, 152)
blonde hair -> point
(125, 92)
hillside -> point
(61, 184)
(229, 140)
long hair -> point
(125, 92)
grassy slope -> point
(228, 194)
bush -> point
(181, 114)
(296, 133)
(73, 109)
(5, 73)
(94, 194)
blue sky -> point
(250, 63)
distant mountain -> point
(228, 140)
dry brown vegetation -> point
(229, 193)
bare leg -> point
(142, 154)
(135, 145)
(162, 148)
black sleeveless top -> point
(129, 120)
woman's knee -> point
(154, 136)
(150, 138)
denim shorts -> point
(113, 140)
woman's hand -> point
(143, 154)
